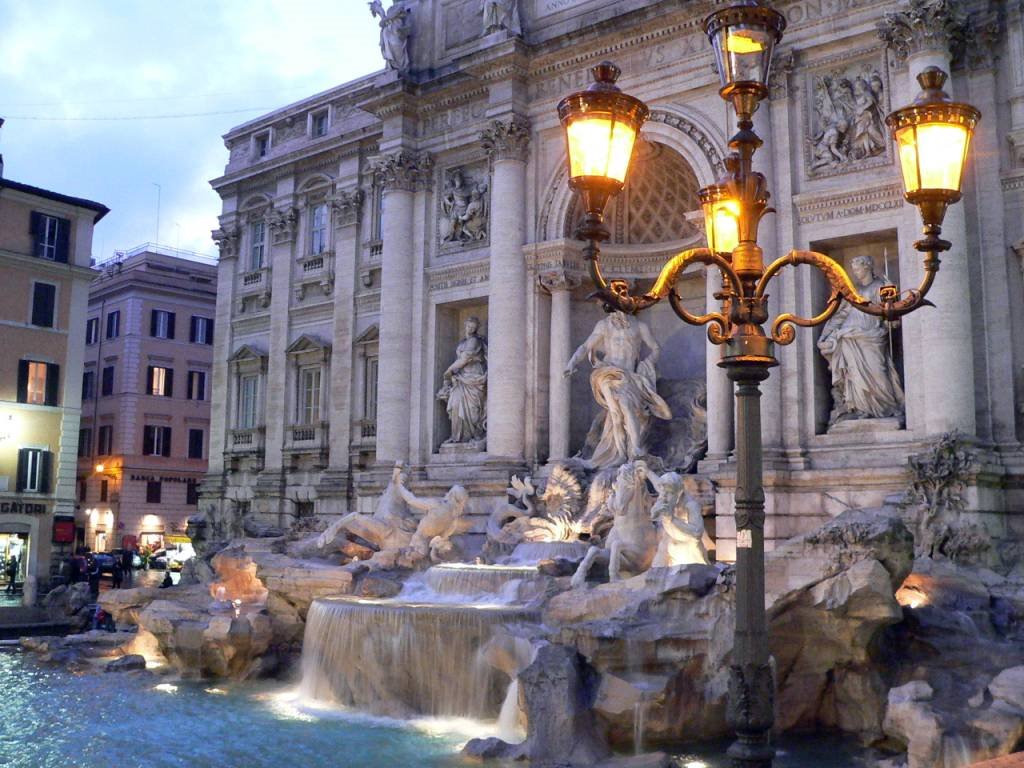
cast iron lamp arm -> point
(893, 304)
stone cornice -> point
(811, 209)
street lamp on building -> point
(932, 136)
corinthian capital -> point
(404, 170)
(347, 205)
(507, 139)
(923, 25)
(560, 280)
(227, 242)
(284, 224)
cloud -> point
(128, 58)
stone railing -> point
(368, 429)
(248, 440)
(255, 284)
(308, 438)
(315, 271)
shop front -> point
(25, 528)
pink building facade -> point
(144, 441)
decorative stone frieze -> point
(463, 208)
(846, 108)
(923, 25)
(404, 170)
(284, 225)
(347, 204)
(227, 242)
(507, 139)
(458, 275)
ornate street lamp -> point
(932, 137)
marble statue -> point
(390, 527)
(443, 518)
(394, 34)
(501, 14)
(553, 515)
(465, 388)
(623, 383)
(865, 384)
(681, 524)
(633, 540)
(463, 210)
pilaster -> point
(560, 284)
(227, 239)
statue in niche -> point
(464, 210)
(681, 524)
(623, 383)
(848, 117)
(465, 388)
(865, 384)
(501, 14)
(394, 34)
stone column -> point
(507, 144)
(560, 285)
(227, 266)
(400, 174)
(920, 33)
(720, 399)
(346, 208)
(284, 224)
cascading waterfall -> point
(418, 654)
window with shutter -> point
(34, 470)
(165, 441)
(153, 492)
(105, 441)
(52, 384)
(32, 382)
(201, 330)
(195, 443)
(107, 382)
(196, 385)
(161, 381)
(92, 330)
(191, 492)
(161, 324)
(89, 385)
(84, 442)
(50, 236)
(113, 324)
(44, 296)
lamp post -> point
(601, 125)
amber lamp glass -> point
(743, 37)
(601, 125)
(932, 138)
(721, 218)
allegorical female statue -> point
(465, 387)
(865, 384)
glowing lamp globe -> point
(721, 218)
(743, 37)
(932, 138)
(601, 124)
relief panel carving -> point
(847, 102)
(463, 216)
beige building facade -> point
(146, 391)
(362, 226)
(45, 248)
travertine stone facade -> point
(386, 283)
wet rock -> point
(130, 663)
(69, 604)
(491, 748)
(378, 586)
(257, 529)
(1007, 688)
(125, 604)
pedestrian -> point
(12, 574)
(116, 574)
(168, 581)
(127, 563)
(94, 576)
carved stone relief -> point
(463, 216)
(846, 108)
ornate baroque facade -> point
(362, 227)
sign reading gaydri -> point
(23, 508)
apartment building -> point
(45, 246)
(144, 438)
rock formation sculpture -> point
(681, 525)
(465, 388)
(623, 383)
(631, 544)
(865, 383)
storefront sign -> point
(22, 508)
(63, 531)
(161, 479)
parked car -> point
(105, 560)
(173, 558)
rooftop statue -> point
(501, 14)
(623, 382)
(394, 34)
(865, 383)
